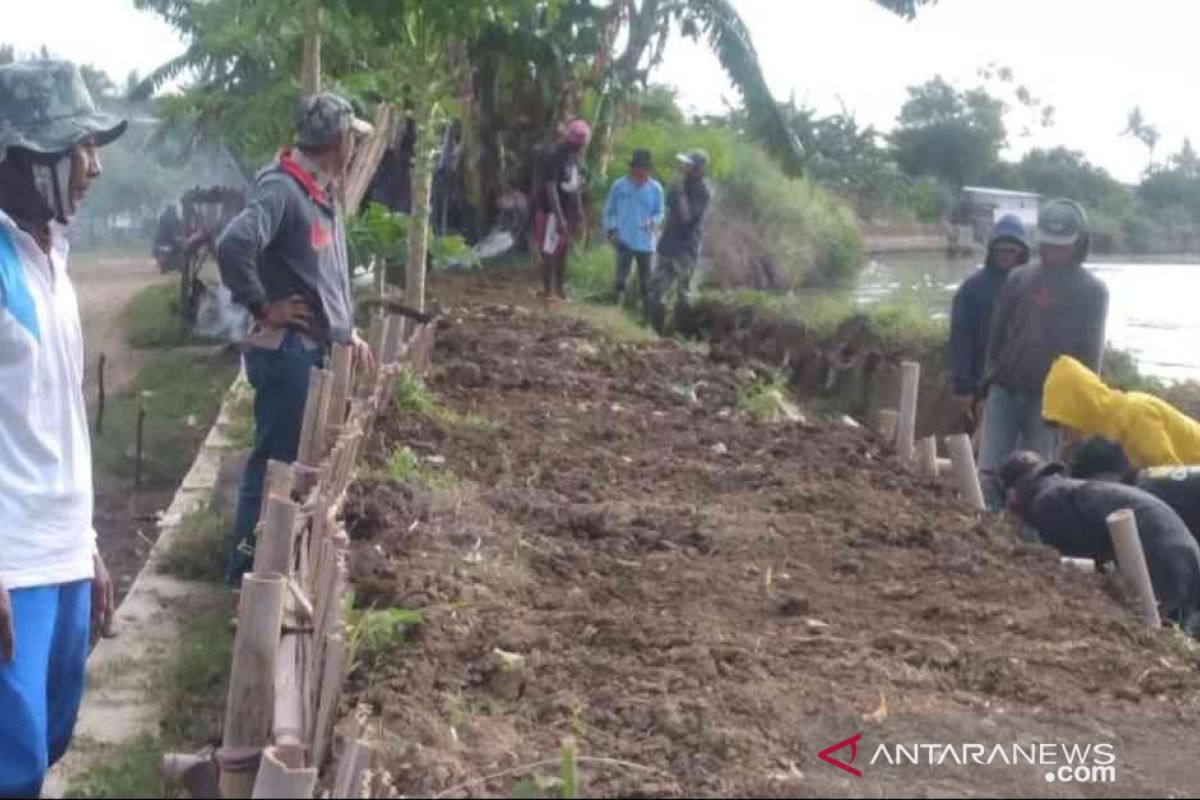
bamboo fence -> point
(290, 655)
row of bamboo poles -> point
(290, 656)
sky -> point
(1093, 60)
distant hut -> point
(980, 207)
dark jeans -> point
(280, 381)
(678, 270)
(645, 266)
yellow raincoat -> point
(1152, 432)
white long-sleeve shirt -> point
(46, 533)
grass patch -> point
(182, 393)
(196, 554)
(405, 467)
(413, 395)
(768, 399)
(132, 770)
(373, 633)
(193, 688)
(241, 421)
(151, 320)
(903, 325)
(618, 323)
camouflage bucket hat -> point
(325, 116)
(45, 107)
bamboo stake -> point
(281, 479)
(282, 774)
(313, 414)
(889, 419)
(927, 459)
(910, 384)
(343, 362)
(965, 473)
(273, 555)
(355, 761)
(251, 698)
(332, 676)
(394, 340)
(1122, 526)
(289, 726)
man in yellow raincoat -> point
(1152, 432)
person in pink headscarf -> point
(558, 204)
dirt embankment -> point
(704, 602)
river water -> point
(1153, 310)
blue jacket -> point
(629, 207)
(974, 303)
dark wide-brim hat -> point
(45, 107)
(642, 158)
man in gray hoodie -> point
(284, 258)
(1053, 308)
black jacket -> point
(1071, 516)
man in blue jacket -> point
(632, 216)
(284, 258)
(971, 318)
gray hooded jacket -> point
(290, 239)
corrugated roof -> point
(1001, 192)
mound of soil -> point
(705, 602)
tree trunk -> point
(422, 184)
(310, 72)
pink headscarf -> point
(579, 132)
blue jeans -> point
(280, 381)
(41, 688)
(1012, 421)
(645, 270)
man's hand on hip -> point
(7, 645)
(291, 312)
(363, 357)
(104, 606)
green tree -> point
(950, 134)
(1137, 128)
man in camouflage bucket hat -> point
(284, 258)
(53, 583)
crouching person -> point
(1071, 516)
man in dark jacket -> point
(683, 234)
(1071, 516)
(284, 258)
(1044, 311)
(971, 318)
(1099, 459)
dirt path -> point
(705, 603)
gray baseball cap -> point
(325, 116)
(1061, 222)
(45, 107)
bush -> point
(760, 213)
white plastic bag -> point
(218, 317)
(550, 245)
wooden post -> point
(308, 451)
(1122, 526)
(333, 673)
(251, 700)
(100, 395)
(889, 420)
(339, 393)
(910, 384)
(965, 473)
(282, 774)
(137, 456)
(927, 459)
(274, 553)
